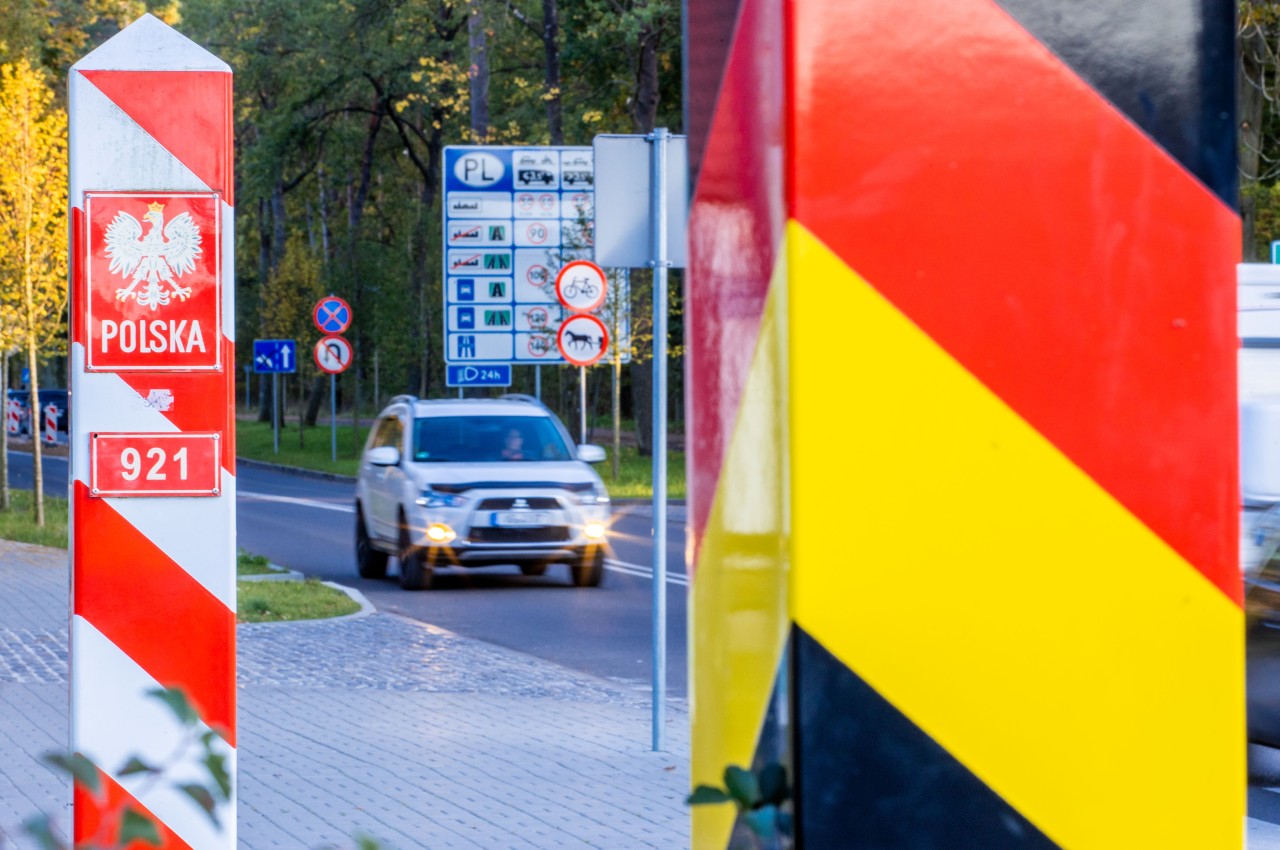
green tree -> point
(33, 227)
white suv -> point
(476, 482)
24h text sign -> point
(178, 464)
(153, 281)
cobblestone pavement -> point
(378, 726)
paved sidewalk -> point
(375, 725)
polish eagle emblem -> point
(153, 259)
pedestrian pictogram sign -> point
(333, 354)
(153, 280)
(583, 339)
(332, 315)
(581, 285)
(185, 464)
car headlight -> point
(435, 499)
(597, 496)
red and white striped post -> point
(152, 430)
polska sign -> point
(153, 281)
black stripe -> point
(708, 33)
(1167, 64)
(867, 777)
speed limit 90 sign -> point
(177, 464)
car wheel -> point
(370, 563)
(537, 569)
(589, 572)
(415, 574)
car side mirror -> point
(591, 454)
(383, 456)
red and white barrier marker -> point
(12, 416)
(51, 423)
(153, 550)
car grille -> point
(551, 534)
(536, 503)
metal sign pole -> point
(537, 382)
(275, 412)
(659, 262)
(333, 418)
(582, 404)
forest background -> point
(343, 108)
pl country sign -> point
(153, 281)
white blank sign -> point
(623, 220)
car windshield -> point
(485, 439)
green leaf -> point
(773, 784)
(177, 702)
(203, 798)
(216, 764)
(742, 786)
(81, 769)
(40, 828)
(707, 794)
(136, 765)
(138, 827)
(763, 821)
(364, 842)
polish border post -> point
(152, 432)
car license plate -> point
(522, 519)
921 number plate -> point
(156, 465)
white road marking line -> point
(290, 500)
(643, 572)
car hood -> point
(458, 477)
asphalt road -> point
(306, 524)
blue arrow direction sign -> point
(478, 375)
(275, 355)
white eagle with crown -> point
(153, 259)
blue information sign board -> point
(478, 375)
(512, 217)
(275, 355)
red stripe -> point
(203, 401)
(185, 111)
(154, 612)
(1050, 246)
(98, 818)
(735, 229)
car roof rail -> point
(406, 398)
(524, 397)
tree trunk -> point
(37, 472)
(1250, 109)
(551, 49)
(644, 105)
(4, 432)
(479, 72)
(315, 399)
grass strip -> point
(635, 475)
(282, 601)
(253, 565)
(18, 522)
(313, 450)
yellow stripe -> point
(958, 562)
(738, 616)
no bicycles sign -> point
(580, 286)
